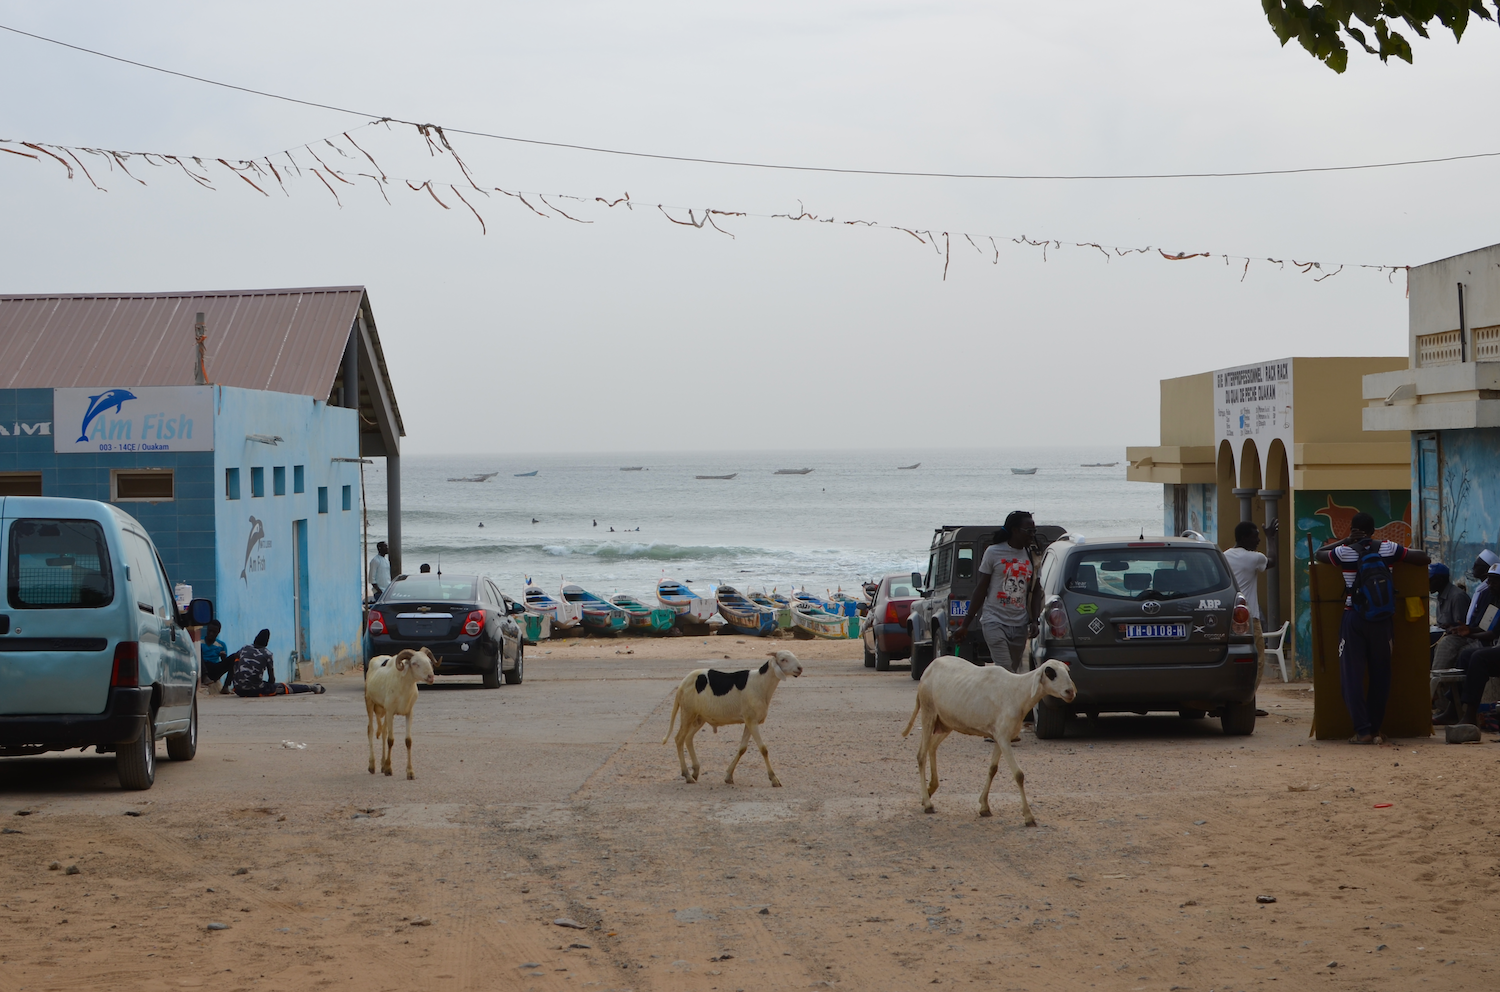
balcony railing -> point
(1486, 344)
(1445, 348)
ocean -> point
(856, 516)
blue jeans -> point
(1365, 657)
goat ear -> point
(1051, 672)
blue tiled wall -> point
(182, 529)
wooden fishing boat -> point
(632, 468)
(729, 476)
(743, 616)
(643, 618)
(692, 610)
(908, 468)
(1098, 464)
(562, 613)
(527, 475)
(599, 615)
(1023, 471)
(482, 477)
(810, 621)
(792, 471)
(778, 605)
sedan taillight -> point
(890, 613)
(1057, 620)
(474, 624)
(377, 623)
(1240, 619)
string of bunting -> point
(259, 173)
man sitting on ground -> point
(215, 665)
(255, 672)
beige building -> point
(1279, 440)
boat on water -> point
(1023, 471)
(692, 610)
(643, 618)
(792, 471)
(811, 620)
(527, 475)
(632, 468)
(563, 613)
(1098, 464)
(741, 615)
(729, 476)
(483, 477)
(908, 468)
(599, 614)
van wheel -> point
(513, 677)
(1051, 721)
(1238, 719)
(182, 747)
(135, 763)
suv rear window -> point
(432, 589)
(1141, 573)
(58, 564)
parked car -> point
(884, 629)
(1143, 625)
(952, 573)
(470, 626)
(93, 650)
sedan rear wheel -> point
(882, 660)
(513, 677)
(869, 655)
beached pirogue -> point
(642, 617)
(599, 614)
(563, 613)
(692, 609)
(744, 616)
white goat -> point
(718, 699)
(391, 689)
(984, 702)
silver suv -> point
(1146, 624)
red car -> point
(884, 631)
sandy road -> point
(555, 798)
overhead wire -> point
(777, 166)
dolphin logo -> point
(257, 533)
(98, 404)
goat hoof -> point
(775, 784)
(1030, 821)
(928, 809)
(985, 812)
(410, 776)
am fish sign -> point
(133, 420)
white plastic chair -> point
(1276, 647)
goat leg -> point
(984, 794)
(1010, 759)
(370, 732)
(409, 773)
(754, 729)
(744, 745)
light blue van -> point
(93, 651)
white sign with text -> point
(1254, 402)
(133, 420)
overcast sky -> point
(634, 334)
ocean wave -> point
(647, 551)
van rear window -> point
(58, 563)
(1147, 573)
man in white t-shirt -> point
(1009, 592)
(1246, 565)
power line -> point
(765, 165)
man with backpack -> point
(1365, 632)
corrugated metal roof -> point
(282, 340)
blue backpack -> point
(1374, 593)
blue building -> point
(1448, 398)
(233, 425)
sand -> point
(555, 800)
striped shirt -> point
(1346, 557)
